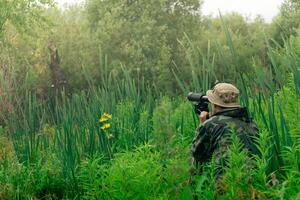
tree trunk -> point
(57, 75)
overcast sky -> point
(266, 8)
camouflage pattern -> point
(214, 136)
(225, 95)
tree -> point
(21, 13)
(143, 35)
(21, 22)
(231, 45)
(287, 22)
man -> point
(213, 137)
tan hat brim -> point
(216, 100)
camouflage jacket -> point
(213, 137)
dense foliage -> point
(92, 99)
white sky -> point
(251, 8)
(61, 3)
(266, 8)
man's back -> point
(214, 137)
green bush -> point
(184, 120)
(131, 175)
(141, 174)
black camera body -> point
(200, 102)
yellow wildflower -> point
(105, 126)
(102, 119)
(105, 117)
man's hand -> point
(203, 116)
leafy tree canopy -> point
(143, 35)
(287, 22)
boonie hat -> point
(224, 95)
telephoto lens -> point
(196, 97)
(200, 102)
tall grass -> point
(68, 126)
